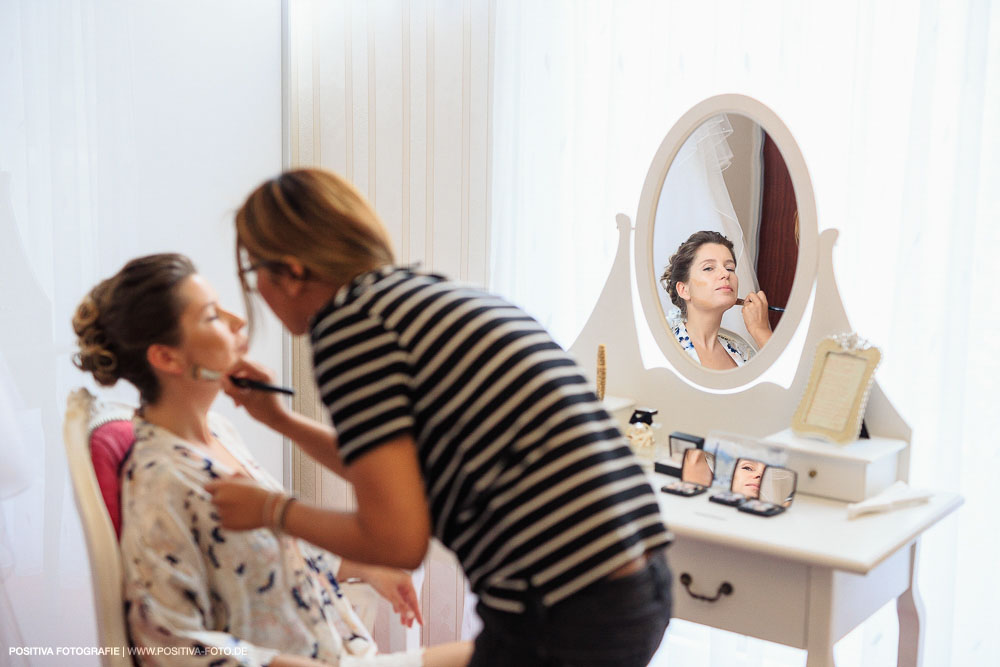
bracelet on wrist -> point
(267, 509)
(279, 512)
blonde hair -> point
(316, 217)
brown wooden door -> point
(777, 242)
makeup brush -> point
(777, 309)
(201, 373)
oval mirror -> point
(728, 207)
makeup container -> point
(670, 455)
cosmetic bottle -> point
(641, 437)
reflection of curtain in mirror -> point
(777, 485)
(695, 198)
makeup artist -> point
(701, 280)
(455, 415)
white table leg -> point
(910, 611)
(819, 630)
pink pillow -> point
(109, 445)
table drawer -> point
(769, 597)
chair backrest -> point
(102, 542)
(110, 444)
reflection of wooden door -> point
(777, 245)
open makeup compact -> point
(754, 487)
(731, 165)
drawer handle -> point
(725, 588)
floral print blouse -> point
(235, 598)
(738, 349)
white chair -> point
(83, 414)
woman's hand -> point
(755, 317)
(393, 584)
(264, 406)
(239, 502)
(392, 523)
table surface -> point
(813, 530)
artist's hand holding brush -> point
(266, 407)
(317, 439)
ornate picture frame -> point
(833, 404)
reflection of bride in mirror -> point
(701, 281)
(747, 477)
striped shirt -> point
(528, 479)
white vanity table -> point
(804, 578)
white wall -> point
(125, 129)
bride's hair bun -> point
(96, 355)
(120, 318)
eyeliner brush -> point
(247, 383)
(777, 309)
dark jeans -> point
(613, 623)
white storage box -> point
(852, 472)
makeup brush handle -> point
(777, 309)
(247, 383)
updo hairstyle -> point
(120, 318)
(678, 269)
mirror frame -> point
(647, 275)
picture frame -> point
(840, 381)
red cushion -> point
(109, 445)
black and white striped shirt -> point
(528, 479)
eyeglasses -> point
(249, 269)
(248, 274)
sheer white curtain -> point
(125, 129)
(395, 95)
(893, 104)
(562, 159)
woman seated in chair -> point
(195, 592)
(701, 281)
